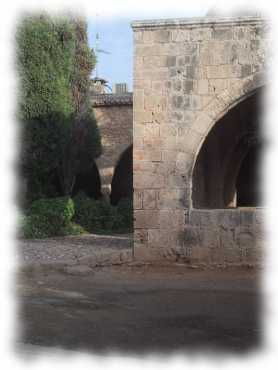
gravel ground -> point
(86, 249)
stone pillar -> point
(187, 73)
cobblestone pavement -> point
(86, 250)
(141, 310)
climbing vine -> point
(59, 132)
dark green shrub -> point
(48, 217)
(64, 216)
(91, 214)
(73, 229)
(99, 216)
(125, 215)
(59, 131)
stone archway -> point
(217, 109)
(189, 73)
(223, 152)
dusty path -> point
(142, 310)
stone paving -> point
(76, 252)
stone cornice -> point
(111, 99)
(198, 22)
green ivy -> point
(59, 131)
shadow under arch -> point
(234, 142)
(217, 108)
(122, 181)
(88, 182)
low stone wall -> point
(74, 254)
(225, 236)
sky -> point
(115, 37)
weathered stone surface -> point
(115, 120)
(90, 261)
(196, 73)
(79, 270)
(149, 199)
(170, 199)
(146, 219)
(148, 180)
(137, 199)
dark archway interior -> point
(248, 181)
(88, 182)
(227, 169)
(122, 182)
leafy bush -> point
(125, 210)
(64, 216)
(48, 217)
(99, 216)
(74, 229)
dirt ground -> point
(142, 310)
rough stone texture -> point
(114, 116)
(76, 251)
(225, 236)
(79, 270)
(187, 74)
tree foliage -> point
(59, 133)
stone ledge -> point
(111, 99)
(198, 22)
(83, 266)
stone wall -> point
(187, 74)
(225, 236)
(114, 116)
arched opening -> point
(248, 181)
(122, 182)
(88, 182)
(227, 169)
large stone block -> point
(170, 220)
(149, 199)
(202, 124)
(184, 162)
(146, 219)
(223, 71)
(247, 217)
(137, 199)
(211, 238)
(171, 199)
(200, 255)
(145, 180)
(222, 34)
(228, 218)
(180, 35)
(152, 130)
(138, 99)
(146, 254)
(162, 239)
(140, 237)
(162, 35)
(203, 86)
(152, 155)
(190, 142)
